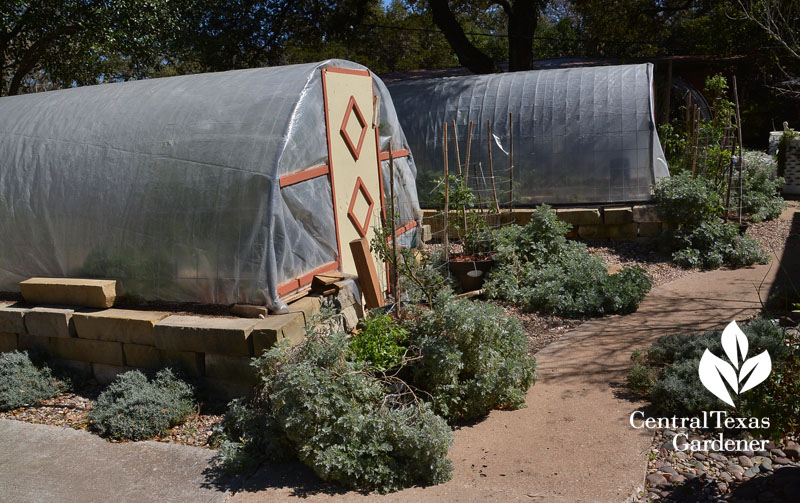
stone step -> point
(225, 336)
(97, 293)
(119, 325)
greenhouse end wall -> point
(581, 135)
(172, 185)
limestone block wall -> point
(628, 222)
(792, 167)
(217, 351)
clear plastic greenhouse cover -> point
(581, 135)
(171, 184)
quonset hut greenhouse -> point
(581, 135)
(220, 188)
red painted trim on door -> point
(395, 153)
(302, 176)
(347, 71)
(330, 165)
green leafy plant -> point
(23, 383)
(760, 186)
(540, 270)
(697, 237)
(667, 373)
(380, 342)
(135, 408)
(336, 417)
(474, 357)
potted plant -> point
(470, 263)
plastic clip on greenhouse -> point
(581, 135)
(215, 188)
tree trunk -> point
(468, 55)
(523, 17)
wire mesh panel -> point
(581, 135)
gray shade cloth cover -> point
(171, 184)
(581, 135)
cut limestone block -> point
(141, 356)
(50, 322)
(580, 216)
(617, 216)
(249, 311)
(617, 232)
(426, 233)
(8, 342)
(105, 374)
(83, 369)
(221, 392)
(12, 318)
(185, 361)
(118, 325)
(649, 229)
(33, 343)
(274, 328)
(646, 213)
(231, 368)
(225, 336)
(309, 306)
(99, 293)
(87, 350)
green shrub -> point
(699, 238)
(540, 270)
(760, 186)
(22, 383)
(686, 201)
(474, 358)
(380, 342)
(668, 374)
(135, 408)
(338, 419)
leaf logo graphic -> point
(716, 372)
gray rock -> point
(751, 472)
(722, 487)
(668, 445)
(677, 479)
(792, 450)
(735, 469)
(778, 453)
(762, 453)
(727, 477)
(782, 461)
(668, 469)
(680, 455)
(697, 464)
(656, 480)
(770, 445)
(697, 455)
(669, 433)
(766, 465)
(717, 456)
(747, 453)
(745, 461)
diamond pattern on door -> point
(358, 128)
(360, 191)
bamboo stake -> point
(491, 169)
(730, 181)
(511, 162)
(395, 282)
(446, 239)
(461, 179)
(741, 157)
(466, 157)
(455, 142)
(695, 138)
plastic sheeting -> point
(581, 135)
(171, 184)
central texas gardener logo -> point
(715, 372)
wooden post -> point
(741, 157)
(367, 274)
(511, 162)
(491, 168)
(446, 239)
(395, 278)
(730, 181)
(695, 137)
